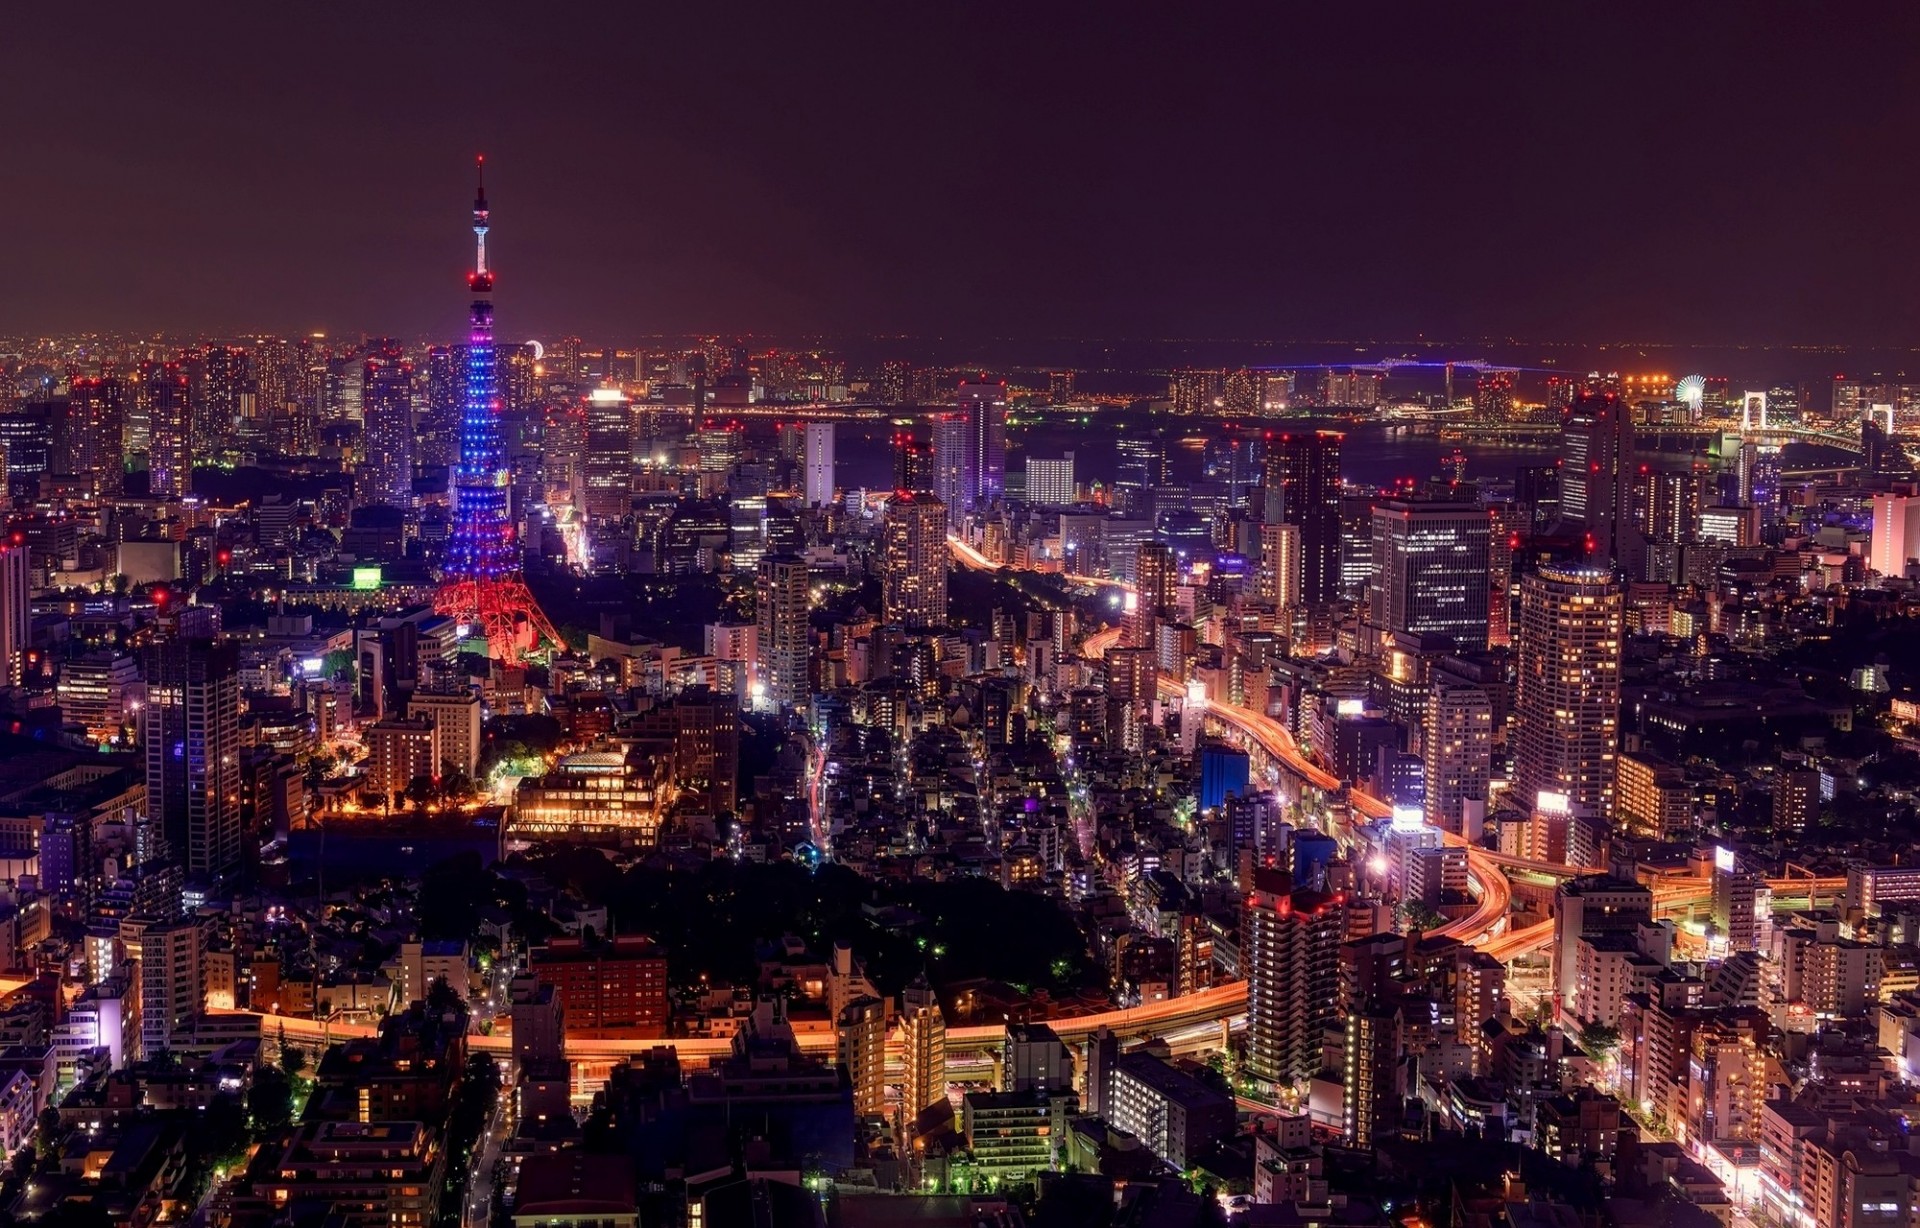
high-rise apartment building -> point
(169, 421)
(1567, 700)
(90, 442)
(1430, 570)
(15, 628)
(1456, 752)
(1583, 908)
(190, 737)
(863, 1051)
(173, 980)
(923, 1037)
(913, 564)
(1289, 949)
(387, 403)
(1279, 575)
(781, 606)
(819, 464)
(1302, 486)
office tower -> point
(1289, 949)
(173, 981)
(863, 1051)
(1050, 480)
(781, 605)
(480, 583)
(1502, 540)
(1302, 484)
(1154, 576)
(1280, 563)
(985, 405)
(27, 444)
(1896, 534)
(387, 404)
(819, 464)
(1567, 700)
(1142, 467)
(609, 456)
(913, 565)
(15, 624)
(1584, 908)
(913, 464)
(190, 737)
(1430, 570)
(91, 440)
(169, 423)
(1456, 752)
(923, 1037)
(1597, 481)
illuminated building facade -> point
(1567, 700)
(913, 575)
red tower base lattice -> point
(502, 610)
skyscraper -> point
(985, 407)
(14, 625)
(1302, 482)
(913, 466)
(190, 736)
(91, 438)
(913, 564)
(1456, 751)
(781, 608)
(609, 462)
(1567, 700)
(1597, 481)
(387, 402)
(1142, 466)
(1290, 943)
(1279, 576)
(819, 464)
(1430, 570)
(953, 473)
(480, 583)
(170, 431)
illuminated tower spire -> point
(481, 582)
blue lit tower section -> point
(481, 583)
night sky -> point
(1720, 173)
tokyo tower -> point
(481, 584)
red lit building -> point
(617, 987)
